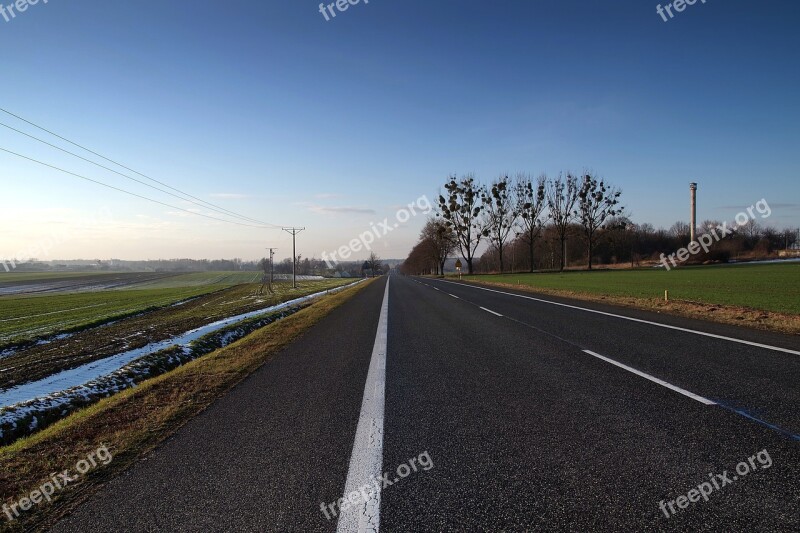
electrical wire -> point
(129, 192)
(216, 207)
(220, 211)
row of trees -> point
(540, 223)
(317, 267)
(510, 210)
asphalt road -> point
(488, 411)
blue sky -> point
(265, 108)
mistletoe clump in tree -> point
(461, 208)
(530, 203)
(501, 214)
(562, 194)
(598, 202)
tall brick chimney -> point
(693, 223)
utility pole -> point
(264, 280)
(271, 262)
(294, 232)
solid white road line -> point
(686, 330)
(454, 296)
(490, 311)
(691, 395)
(367, 458)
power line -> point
(221, 211)
(127, 168)
(129, 192)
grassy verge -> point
(137, 420)
(760, 296)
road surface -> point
(487, 410)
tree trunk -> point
(590, 252)
(531, 254)
(469, 266)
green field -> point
(31, 316)
(773, 287)
(195, 279)
(153, 320)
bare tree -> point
(500, 212)
(751, 230)
(597, 202)
(530, 204)
(373, 262)
(773, 237)
(419, 260)
(461, 210)
(622, 237)
(680, 231)
(562, 195)
(708, 226)
(442, 241)
(790, 237)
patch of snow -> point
(90, 371)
